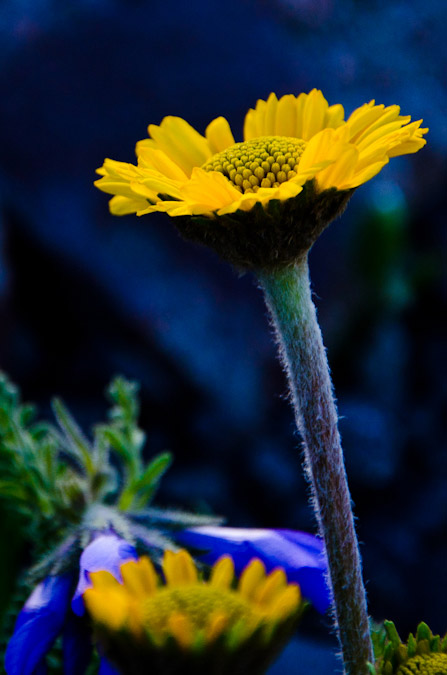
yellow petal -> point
(388, 135)
(247, 201)
(285, 603)
(407, 147)
(414, 143)
(320, 151)
(254, 121)
(360, 177)
(219, 136)
(363, 117)
(378, 150)
(116, 177)
(152, 183)
(250, 127)
(179, 568)
(122, 206)
(206, 192)
(251, 578)
(299, 117)
(339, 173)
(181, 142)
(342, 157)
(139, 577)
(313, 114)
(119, 178)
(269, 128)
(103, 579)
(389, 115)
(334, 117)
(286, 116)
(222, 573)
(108, 607)
(217, 624)
(154, 159)
(276, 581)
(181, 629)
(172, 208)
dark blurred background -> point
(84, 295)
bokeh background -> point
(84, 296)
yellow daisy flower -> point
(286, 142)
(187, 620)
(295, 149)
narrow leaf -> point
(74, 435)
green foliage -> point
(50, 475)
(34, 482)
(122, 436)
(64, 488)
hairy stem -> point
(288, 297)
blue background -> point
(84, 296)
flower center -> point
(430, 664)
(196, 602)
(266, 161)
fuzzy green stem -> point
(288, 297)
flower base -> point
(271, 237)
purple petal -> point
(77, 645)
(106, 668)
(38, 625)
(300, 554)
(106, 552)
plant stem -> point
(288, 297)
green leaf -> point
(124, 394)
(73, 434)
(139, 492)
(423, 632)
(153, 473)
(435, 644)
(118, 442)
(392, 634)
(411, 646)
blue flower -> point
(56, 607)
(300, 554)
(47, 613)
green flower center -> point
(430, 664)
(266, 161)
(196, 602)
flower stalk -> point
(288, 297)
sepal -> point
(272, 237)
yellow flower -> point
(429, 664)
(287, 143)
(189, 618)
(423, 653)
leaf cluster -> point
(51, 473)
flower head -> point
(423, 653)
(300, 553)
(264, 201)
(187, 620)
